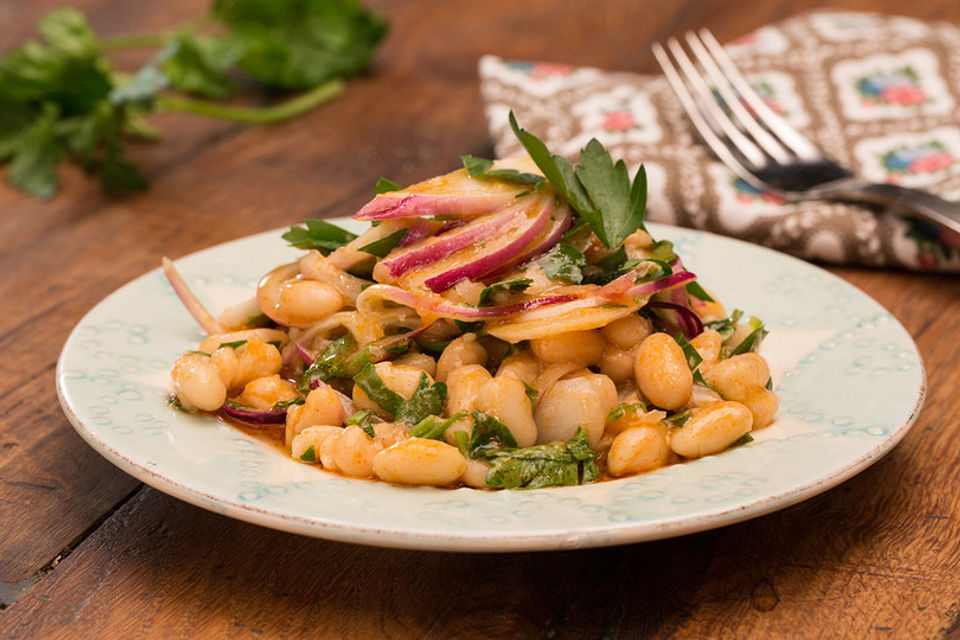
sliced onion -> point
(563, 220)
(455, 193)
(499, 253)
(562, 319)
(265, 418)
(203, 317)
(684, 320)
(422, 229)
(446, 244)
(431, 306)
(315, 266)
(305, 355)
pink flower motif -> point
(932, 163)
(750, 38)
(544, 69)
(774, 105)
(744, 198)
(950, 238)
(906, 95)
(618, 121)
(927, 260)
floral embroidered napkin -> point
(878, 93)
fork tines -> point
(733, 120)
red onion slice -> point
(444, 245)
(563, 220)
(502, 252)
(265, 418)
(455, 193)
(430, 305)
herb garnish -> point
(319, 235)
(428, 399)
(753, 339)
(545, 465)
(481, 168)
(514, 285)
(309, 455)
(488, 434)
(61, 98)
(385, 245)
(363, 418)
(433, 427)
(693, 358)
(385, 186)
(599, 190)
(563, 261)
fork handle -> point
(931, 208)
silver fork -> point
(762, 148)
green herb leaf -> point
(236, 344)
(385, 245)
(385, 186)
(546, 465)
(564, 262)
(744, 439)
(361, 417)
(689, 351)
(433, 427)
(482, 168)
(698, 292)
(677, 419)
(297, 45)
(769, 385)
(201, 64)
(532, 395)
(753, 339)
(621, 410)
(382, 395)
(514, 285)
(427, 400)
(619, 206)
(329, 364)
(37, 154)
(726, 327)
(488, 434)
(310, 455)
(319, 235)
(286, 404)
(258, 320)
(469, 327)
(662, 250)
(463, 443)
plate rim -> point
(408, 537)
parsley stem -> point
(135, 40)
(257, 115)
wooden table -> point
(88, 552)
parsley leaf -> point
(726, 327)
(427, 400)
(488, 434)
(328, 364)
(546, 465)
(385, 245)
(433, 427)
(200, 64)
(297, 45)
(319, 235)
(309, 455)
(514, 285)
(563, 261)
(482, 168)
(385, 186)
(698, 292)
(599, 190)
(753, 339)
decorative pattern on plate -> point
(842, 78)
(849, 376)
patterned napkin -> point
(879, 94)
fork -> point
(762, 148)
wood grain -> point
(875, 557)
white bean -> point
(460, 352)
(463, 387)
(300, 303)
(662, 373)
(582, 348)
(711, 429)
(263, 393)
(313, 437)
(616, 363)
(420, 461)
(708, 345)
(641, 448)
(505, 398)
(420, 361)
(322, 406)
(735, 377)
(197, 383)
(522, 365)
(475, 474)
(255, 359)
(763, 404)
(567, 405)
(628, 332)
(353, 452)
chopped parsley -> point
(482, 168)
(310, 455)
(319, 235)
(546, 465)
(385, 186)
(563, 262)
(514, 285)
(385, 245)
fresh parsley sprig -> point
(62, 99)
(597, 188)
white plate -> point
(849, 378)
